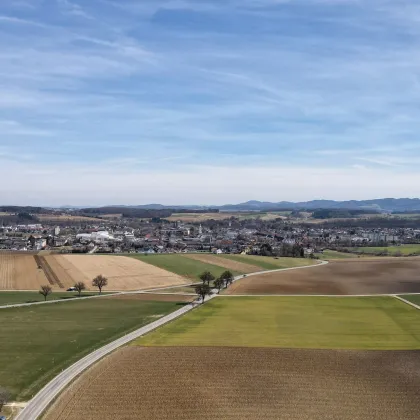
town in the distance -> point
(378, 227)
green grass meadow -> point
(379, 323)
(270, 263)
(181, 265)
(37, 342)
(412, 298)
(392, 250)
(330, 254)
(9, 298)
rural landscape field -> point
(254, 357)
(251, 352)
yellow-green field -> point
(381, 323)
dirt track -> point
(339, 277)
(245, 384)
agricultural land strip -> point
(371, 323)
(228, 264)
(245, 384)
(39, 341)
(181, 265)
(346, 277)
(47, 394)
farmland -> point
(245, 384)
(229, 264)
(39, 341)
(380, 323)
(391, 250)
(19, 271)
(330, 254)
(188, 268)
(59, 218)
(8, 298)
(341, 277)
(202, 217)
(270, 263)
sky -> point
(208, 101)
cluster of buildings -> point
(223, 236)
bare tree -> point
(203, 290)
(207, 277)
(45, 291)
(219, 283)
(4, 397)
(227, 277)
(80, 286)
(100, 282)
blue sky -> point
(208, 101)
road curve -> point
(43, 399)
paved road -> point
(41, 401)
(407, 301)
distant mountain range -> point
(381, 205)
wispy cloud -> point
(157, 85)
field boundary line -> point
(407, 301)
(38, 404)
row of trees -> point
(99, 281)
(203, 290)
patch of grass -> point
(412, 298)
(179, 290)
(181, 265)
(392, 250)
(330, 254)
(381, 323)
(9, 298)
(270, 263)
(37, 342)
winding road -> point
(43, 399)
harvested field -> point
(20, 271)
(245, 384)
(123, 273)
(66, 218)
(238, 266)
(344, 277)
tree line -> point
(204, 289)
(99, 281)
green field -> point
(179, 290)
(270, 263)
(392, 250)
(330, 254)
(303, 322)
(181, 265)
(412, 298)
(8, 298)
(37, 342)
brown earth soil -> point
(224, 262)
(19, 271)
(123, 273)
(344, 277)
(244, 384)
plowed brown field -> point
(123, 273)
(339, 277)
(19, 271)
(224, 262)
(244, 384)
